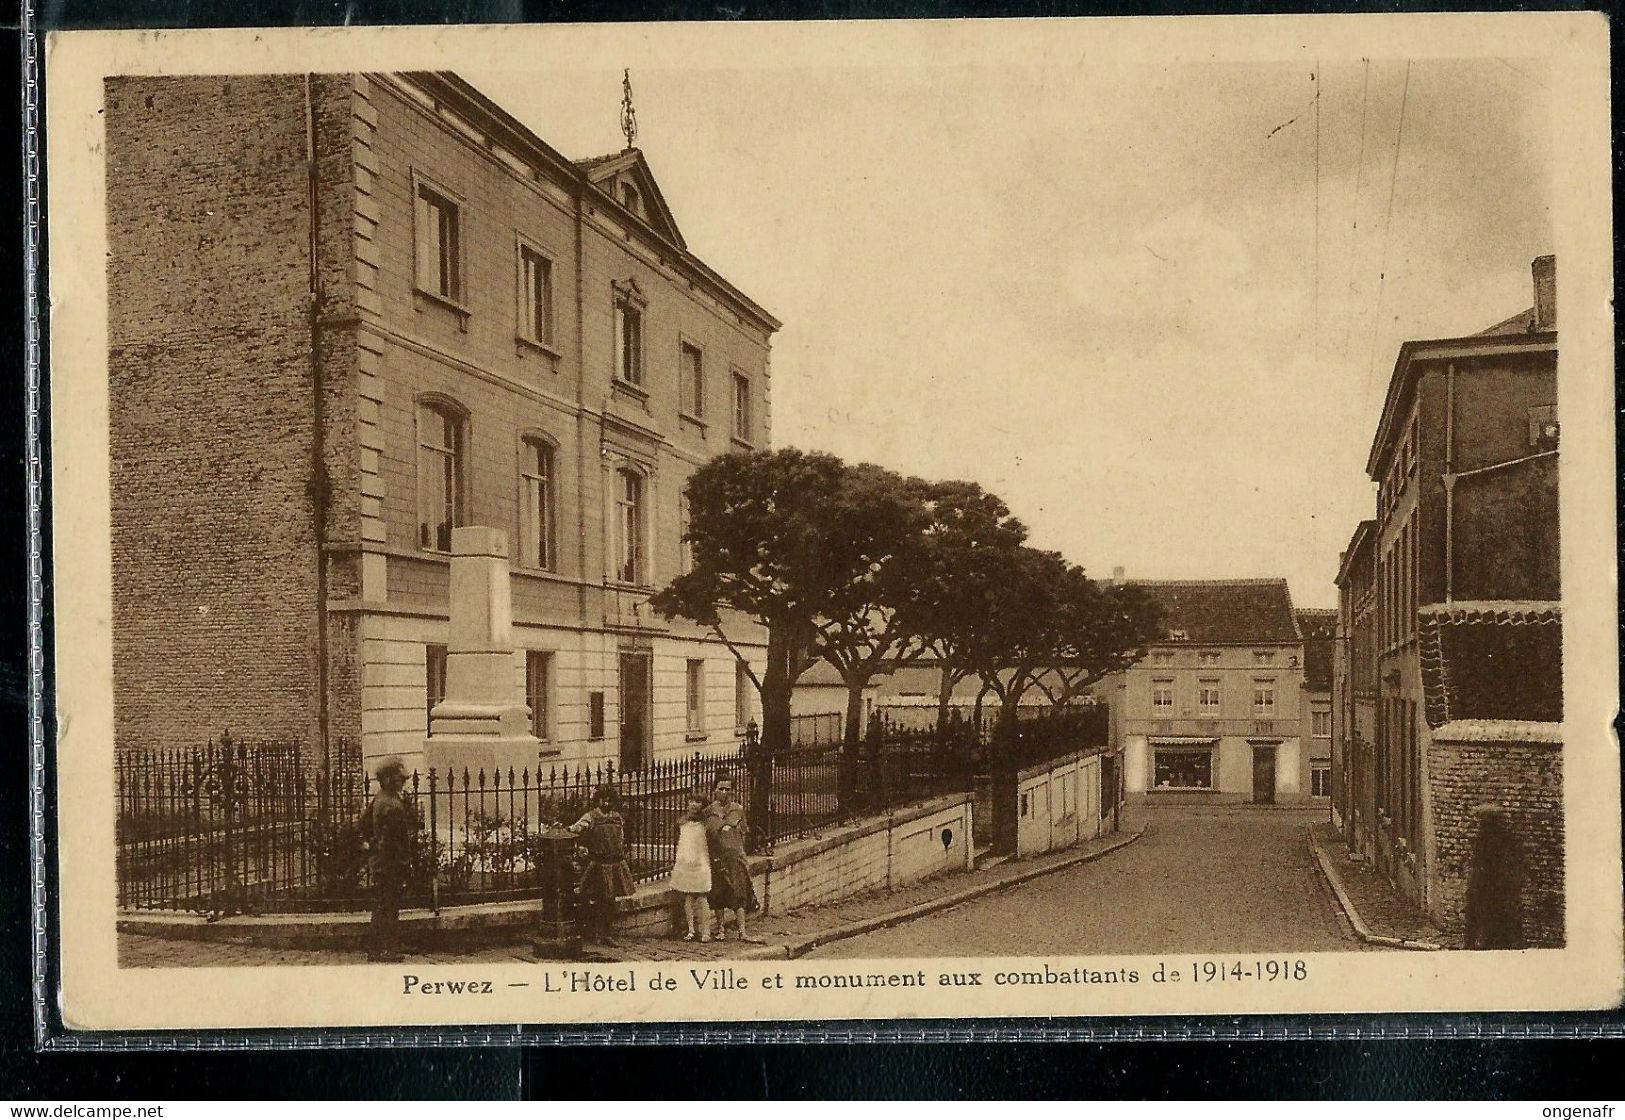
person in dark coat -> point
(386, 829)
(606, 876)
(1495, 883)
(726, 833)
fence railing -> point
(233, 826)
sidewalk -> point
(1378, 913)
(778, 936)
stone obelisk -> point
(483, 721)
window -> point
(434, 680)
(538, 664)
(1207, 696)
(1162, 697)
(1264, 698)
(1320, 724)
(1263, 657)
(1162, 657)
(630, 198)
(741, 385)
(1320, 781)
(439, 245)
(1182, 768)
(440, 474)
(696, 695)
(536, 518)
(692, 373)
(595, 715)
(1207, 657)
(535, 296)
(628, 339)
(742, 686)
(629, 561)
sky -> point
(1119, 295)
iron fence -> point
(233, 826)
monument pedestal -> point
(483, 723)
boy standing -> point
(386, 828)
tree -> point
(1047, 619)
(948, 584)
(789, 539)
(861, 631)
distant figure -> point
(386, 829)
(691, 871)
(1495, 882)
(726, 832)
(606, 877)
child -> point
(607, 876)
(726, 831)
(386, 830)
(691, 871)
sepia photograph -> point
(551, 522)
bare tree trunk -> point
(777, 681)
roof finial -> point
(629, 115)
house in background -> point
(1465, 622)
(1354, 693)
(1214, 709)
(1319, 630)
(352, 313)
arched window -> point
(441, 463)
(536, 504)
(629, 546)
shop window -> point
(1182, 768)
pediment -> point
(626, 178)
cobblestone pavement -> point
(774, 930)
(1382, 908)
(1201, 880)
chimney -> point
(1117, 576)
(1545, 274)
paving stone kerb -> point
(1409, 931)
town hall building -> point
(353, 317)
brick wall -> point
(1526, 779)
(211, 405)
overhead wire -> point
(1354, 225)
(1387, 223)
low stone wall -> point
(884, 852)
(1058, 804)
(1526, 779)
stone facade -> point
(470, 276)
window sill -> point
(524, 342)
(1182, 789)
(522, 569)
(742, 443)
(695, 737)
(636, 392)
(447, 302)
(691, 418)
(623, 585)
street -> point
(1202, 879)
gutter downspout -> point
(318, 484)
(1449, 480)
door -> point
(1263, 775)
(634, 710)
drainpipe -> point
(318, 467)
(1449, 480)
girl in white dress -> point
(691, 871)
